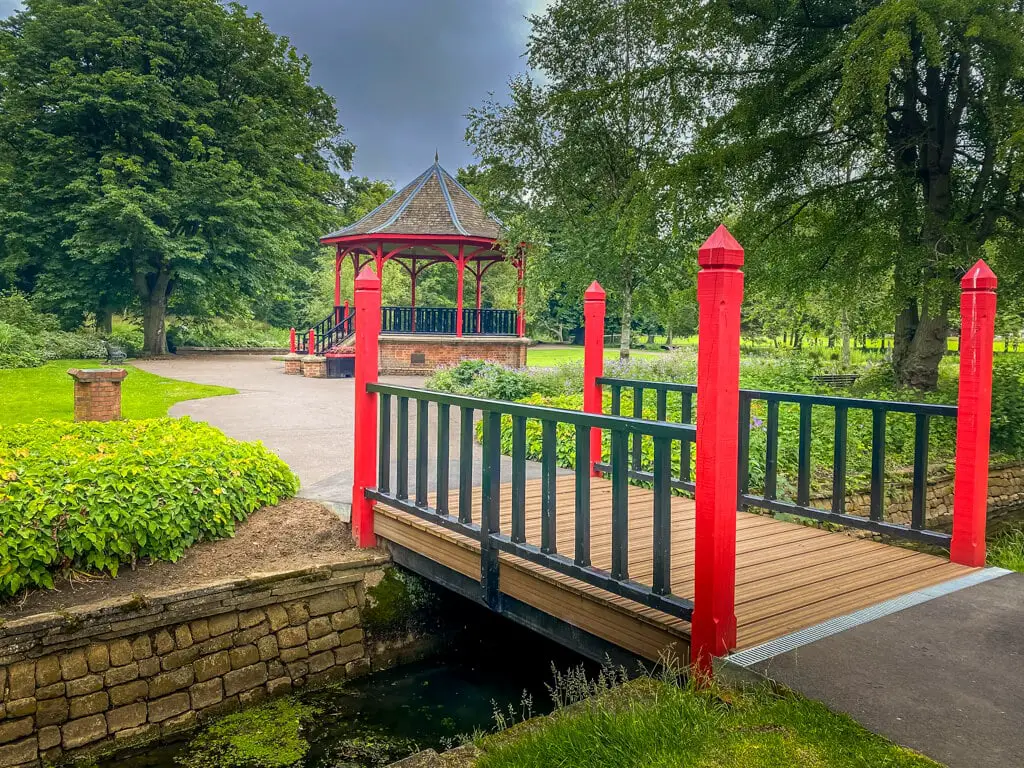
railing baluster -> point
(771, 458)
(803, 485)
(662, 404)
(422, 450)
(582, 496)
(839, 462)
(620, 505)
(466, 466)
(662, 584)
(518, 479)
(917, 507)
(877, 464)
(743, 449)
(548, 491)
(443, 417)
(638, 440)
(384, 446)
(616, 400)
(490, 506)
(685, 417)
(402, 449)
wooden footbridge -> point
(614, 554)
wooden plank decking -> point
(789, 576)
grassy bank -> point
(47, 392)
(654, 723)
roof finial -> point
(435, 157)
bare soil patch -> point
(294, 534)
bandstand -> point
(431, 222)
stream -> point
(370, 722)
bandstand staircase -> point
(334, 332)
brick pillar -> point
(97, 393)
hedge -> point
(96, 495)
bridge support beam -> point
(593, 362)
(720, 296)
(364, 445)
(974, 415)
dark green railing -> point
(768, 499)
(394, 491)
(337, 334)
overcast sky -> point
(404, 72)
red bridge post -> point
(311, 349)
(364, 445)
(593, 361)
(719, 295)
(291, 341)
(974, 415)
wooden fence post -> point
(593, 362)
(719, 295)
(364, 445)
(974, 415)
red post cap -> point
(594, 293)
(367, 280)
(720, 250)
(979, 278)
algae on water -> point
(267, 736)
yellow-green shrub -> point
(94, 496)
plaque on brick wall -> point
(418, 358)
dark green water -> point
(381, 718)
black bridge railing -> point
(801, 505)
(486, 527)
(442, 320)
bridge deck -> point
(789, 576)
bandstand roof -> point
(434, 203)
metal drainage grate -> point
(786, 643)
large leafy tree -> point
(159, 148)
(865, 142)
(577, 145)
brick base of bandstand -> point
(422, 354)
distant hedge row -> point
(94, 496)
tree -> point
(162, 148)
(894, 124)
(577, 147)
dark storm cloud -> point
(405, 72)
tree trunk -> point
(153, 290)
(846, 340)
(154, 313)
(104, 321)
(669, 335)
(627, 319)
(650, 337)
(918, 346)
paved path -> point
(307, 422)
(944, 677)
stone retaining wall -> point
(136, 668)
(1005, 491)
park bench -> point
(836, 380)
(115, 355)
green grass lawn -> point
(657, 725)
(1007, 550)
(550, 355)
(47, 392)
